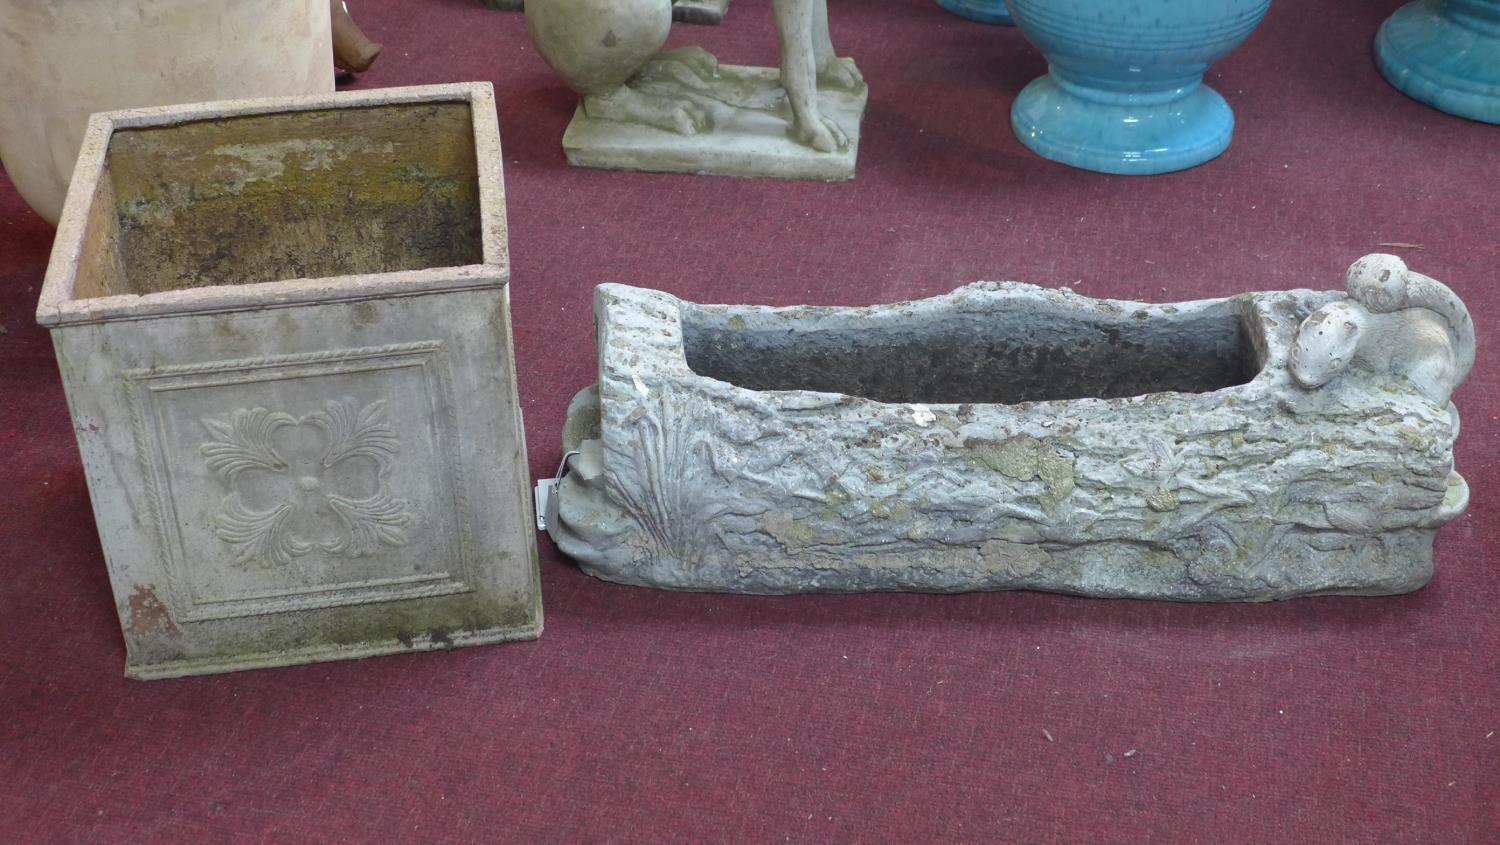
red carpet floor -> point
(646, 716)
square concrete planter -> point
(284, 331)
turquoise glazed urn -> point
(985, 11)
(1445, 53)
(1124, 88)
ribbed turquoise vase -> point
(1445, 53)
(985, 11)
(1124, 88)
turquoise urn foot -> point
(1445, 53)
(1117, 132)
(1124, 88)
(984, 11)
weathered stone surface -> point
(680, 112)
(1004, 436)
(742, 114)
(284, 331)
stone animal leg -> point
(841, 74)
(628, 105)
(822, 42)
(833, 71)
(794, 20)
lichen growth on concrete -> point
(919, 447)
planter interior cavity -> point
(1009, 356)
(268, 197)
(284, 330)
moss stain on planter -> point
(304, 195)
(437, 623)
(1004, 436)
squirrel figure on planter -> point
(1395, 321)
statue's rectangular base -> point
(749, 136)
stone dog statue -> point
(1396, 322)
(601, 47)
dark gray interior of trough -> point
(1024, 354)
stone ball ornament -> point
(596, 45)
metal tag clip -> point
(546, 493)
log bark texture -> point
(703, 466)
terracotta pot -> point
(61, 62)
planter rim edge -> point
(57, 307)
